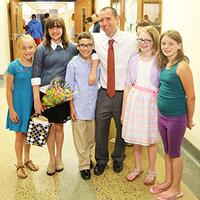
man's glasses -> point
(83, 46)
(146, 41)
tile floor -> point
(67, 185)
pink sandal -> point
(155, 189)
(176, 196)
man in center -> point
(114, 48)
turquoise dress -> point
(22, 96)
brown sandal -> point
(150, 178)
(23, 174)
(31, 166)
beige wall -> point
(4, 38)
(66, 12)
(99, 4)
(184, 15)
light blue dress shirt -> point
(85, 95)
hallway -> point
(68, 184)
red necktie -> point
(111, 70)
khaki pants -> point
(83, 135)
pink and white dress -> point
(140, 124)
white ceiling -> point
(45, 5)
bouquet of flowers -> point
(57, 93)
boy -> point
(82, 107)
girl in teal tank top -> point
(171, 98)
(176, 102)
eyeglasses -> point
(146, 41)
(82, 46)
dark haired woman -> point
(50, 62)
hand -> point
(190, 124)
(38, 107)
(73, 115)
(14, 117)
(92, 77)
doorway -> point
(20, 12)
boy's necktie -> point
(111, 70)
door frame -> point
(121, 13)
(79, 5)
(140, 9)
(16, 25)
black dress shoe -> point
(85, 174)
(99, 169)
(91, 164)
(117, 166)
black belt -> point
(115, 90)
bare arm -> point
(9, 96)
(185, 74)
(37, 103)
(125, 95)
(72, 110)
(93, 72)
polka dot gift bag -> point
(38, 130)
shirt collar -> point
(54, 45)
(116, 37)
(85, 61)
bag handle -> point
(35, 115)
(43, 118)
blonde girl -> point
(20, 100)
(139, 110)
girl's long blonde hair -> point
(162, 59)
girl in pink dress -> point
(139, 110)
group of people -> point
(146, 86)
